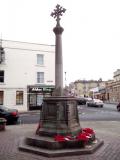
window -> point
(40, 77)
(32, 99)
(40, 59)
(19, 97)
(39, 99)
(2, 54)
(1, 97)
(1, 76)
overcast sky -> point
(91, 37)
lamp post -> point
(65, 79)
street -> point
(107, 130)
(107, 113)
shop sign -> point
(36, 89)
(47, 89)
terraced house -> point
(83, 87)
(27, 73)
(113, 88)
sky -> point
(91, 37)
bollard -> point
(2, 124)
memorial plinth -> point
(59, 115)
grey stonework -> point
(59, 115)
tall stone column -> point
(59, 63)
(58, 51)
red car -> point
(11, 115)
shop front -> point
(36, 95)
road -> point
(107, 113)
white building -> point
(27, 71)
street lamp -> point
(65, 79)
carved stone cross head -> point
(57, 13)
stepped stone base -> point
(59, 116)
(46, 146)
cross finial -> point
(57, 13)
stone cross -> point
(57, 13)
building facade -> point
(27, 73)
(113, 88)
(83, 87)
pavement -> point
(29, 112)
(109, 131)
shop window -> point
(39, 99)
(1, 97)
(40, 59)
(32, 99)
(40, 77)
(1, 76)
(19, 97)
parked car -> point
(11, 115)
(88, 99)
(81, 101)
(95, 103)
(118, 107)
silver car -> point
(95, 103)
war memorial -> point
(59, 132)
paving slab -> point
(107, 131)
